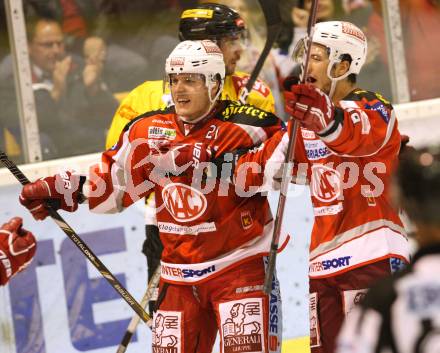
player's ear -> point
(342, 68)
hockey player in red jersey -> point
(17, 248)
(347, 148)
(214, 236)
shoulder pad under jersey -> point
(367, 97)
(153, 113)
(235, 112)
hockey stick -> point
(288, 164)
(273, 23)
(154, 282)
(82, 246)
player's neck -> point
(343, 88)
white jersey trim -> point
(390, 127)
(199, 272)
(356, 232)
(257, 134)
(375, 245)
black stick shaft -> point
(82, 246)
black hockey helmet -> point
(210, 21)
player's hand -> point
(17, 248)
(61, 191)
(310, 106)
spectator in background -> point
(401, 314)
(375, 75)
(80, 19)
(253, 45)
(421, 35)
(300, 16)
(67, 94)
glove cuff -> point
(333, 126)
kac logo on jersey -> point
(326, 183)
(183, 202)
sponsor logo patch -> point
(176, 61)
(274, 319)
(172, 228)
(234, 109)
(201, 13)
(186, 273)
(211, 48)
(381, 109)
(316, 149)
(396, 264)
(348, 28)
(157, 132)
(160, 121)
(324, 265)
(242, 328)
(315, 336)
(167, 332)
(351, 298)
(307, 134)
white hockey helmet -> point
(342, 38)
(197, 57)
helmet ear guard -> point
(342, 38)
(339, 38)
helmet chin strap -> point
(334, 80)
(211, 105)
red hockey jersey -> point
(204, 228)
(349, 173)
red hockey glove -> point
(310, 106)
(17, 248)
(61, 191)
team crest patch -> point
(242, 328)
(326, 183)
(246, 220)
(183, 202)
(167, 332)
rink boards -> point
(61, 303)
